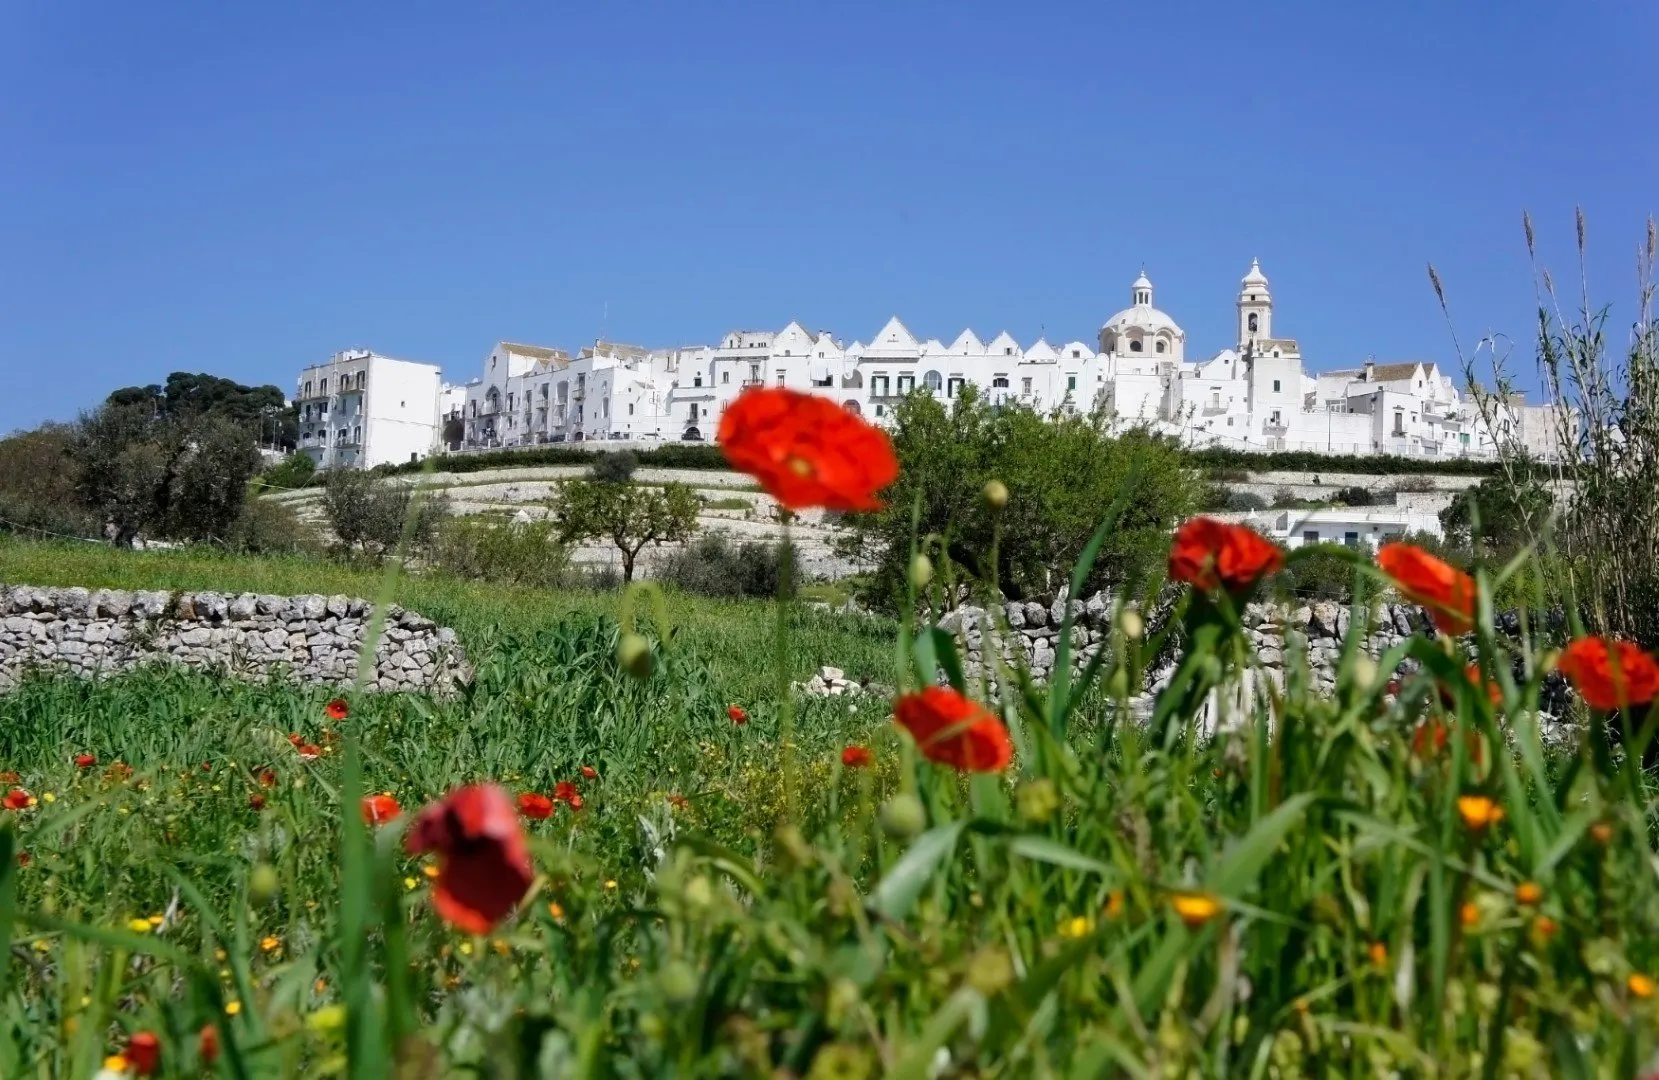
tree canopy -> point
(191, 397)
(630, 516)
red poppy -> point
(24, 858)
(267, 778)
(679, 802)
(483, 863)
(1610, 674)
(1213, 554)
(144, 1052)
(955, 730)
(256, 801)
(85, 761)
(575, 802)
(1445, 591)
(535, 806)
(207, 766)
(337, 709)
(564, 791)
(296, 740)
(379, 809)
(207, 1044)
(16, 799)
(807, 451)
(589, 772)
(738, 716)
(310, 753)
(856, 757)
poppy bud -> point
(633, 653)
(903, 816)
(921, 571)
(678, 982)
(263, 884)
(996, 495)
(1365, 672)
(1117, 684)
(1133, 625)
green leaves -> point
(901, 885)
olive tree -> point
(630, 516)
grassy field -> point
(1392, 880)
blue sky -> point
(246, 188)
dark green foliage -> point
(293, 471)
(714, 566)
(1511, 516)
(260, 411)
(1061, 472)
(613, 466)
(1310, 461)
(368, 514)
(1353, 496)
(38, 485)
(267, 527)
(666, 456)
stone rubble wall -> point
(1034, 631)
(311, 639)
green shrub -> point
(715, 566)
(369, 515)
(1353, 496)
(268, 527)
(613, 466)
(293, 471)
(509, 552)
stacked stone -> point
(311, 639)
(832, 682)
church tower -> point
(1255, 310)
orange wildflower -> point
(1447, 592)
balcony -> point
(749, 383)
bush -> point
(1245, 500)
(1352, 496)
(714, 566)
(511, 552)
(368, 514)
(293, 471)
(666, 456)
(1284, 498)
(1414, 484)
(613, 466)
(268, 527)
(1313, 462)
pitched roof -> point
(541, 352)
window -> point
(1275, 419)
(725, 377)
(322, 411)
(932, 381)
(878, 410)
(356, 434)
(1399, 422)
(1250, 323)
(754, 372)
(322, 386)
(308, 388)
(999, 382)
(630, 408)
(1071, 382)
(780, 378)
(362, 379)
(907, 383)
(1310, 536)
(1077, 354)
(1350, 539)
(1008, 350)
(1159, 347)
(697, 380)
(953, 386)
(1275, 386)
(1135, 345)
(878, 388)
(1025, 386)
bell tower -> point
(1255, 309)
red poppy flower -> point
(256, 801)
(1610, 674)
(144, 1052)
(379, 809)
(85, 761)
(1445, 591)
(955, 730)
(337, 709)
(483, 863)
(1213, 554)
(589, 772)
(296, 740)
(535, 806)
(16, 799)
(267, 778)
(806, 450)
(310, 753)
(856, 757)
(738, 716)
(575, 802)
(207, 1045)
(564, 791)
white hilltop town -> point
(361, 409)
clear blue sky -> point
(245, 188)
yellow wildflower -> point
(327, 1018)
(232, 1008)
(555, 910)
(139, 926)
(115, 1063)
(48, 797)
(1195, 909)
(610, 883)
(1640, 985)
(270, 944)
(466, 948)
(1075, 928)
(410, 883)
(157, 920)
(1528, 892)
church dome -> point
(1140, 313)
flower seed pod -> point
(996, 495)
(633, 653)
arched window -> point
(1252, 323)
(1159, 347)
(1135, 345)
(933, 381)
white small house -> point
(361, 409)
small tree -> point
(368, 515)
(613, 466)
(628, 516)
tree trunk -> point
(627, 565)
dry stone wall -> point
(311, 639)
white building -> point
(361, 409)
(1354, 526)
(1254, 395)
